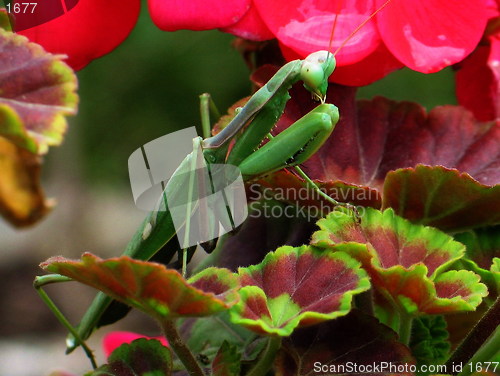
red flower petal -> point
(372, 68)
(33, 14)
(90, 30)
(478, 82)
(306, 28)
(113, 340)
(250, 27)
(171, 15)
(428, 35)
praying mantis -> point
(237, 144)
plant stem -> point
(485, 354)
(181, 350)
(477, 337)
(266, 358)
(405, 324)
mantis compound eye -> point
(312, 74)
(325, 59)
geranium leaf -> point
(441, 197)
(150, 287)
(276, 223)
(429, 340)
(357, 339)
(227, 361)
(37, 91)
(22, 200)
(483, 255)
(295, 287)
(393, 241)
(4, 20)
(405, 261)
(141, 357)
(113, 340)
(195, 330)
(383, 135)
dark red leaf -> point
(356, 340)
(442, 198)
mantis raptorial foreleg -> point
(248, 128)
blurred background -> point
(146, 88)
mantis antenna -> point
(359, 27)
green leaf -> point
(483, 255)
(406, 262)
(441, 197)
(356, 340)
(37, 92)
(150, 287)
(429, 340)
(195, 330)
(227, 361)
(295, 287)
(4, 20)
(142, 357)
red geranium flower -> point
(83, 30)
(425, 35)
(114, 340)
(478, 79)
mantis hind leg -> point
(38, 283)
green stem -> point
(485, 354)
(267, 357)
(38, 283)
(181, 350)
(405, 324)
(207, 107)
(477, 338)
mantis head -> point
(315, 70)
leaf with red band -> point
(405, 261)
(150, 287)
(37, 91)
(296, 287)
